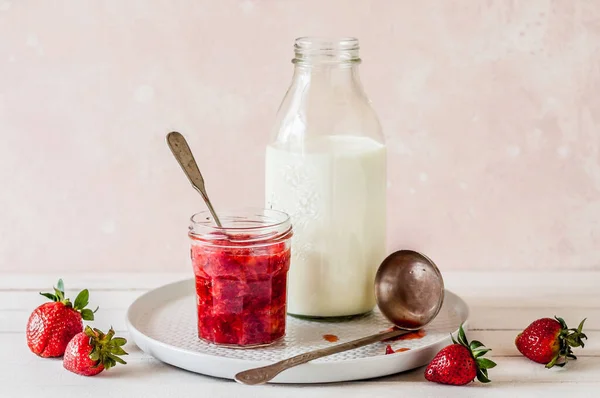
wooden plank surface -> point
(501, 305)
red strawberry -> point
(52, 325)
(460, 363)
(549, 341)
(92, 351)
(389, 350)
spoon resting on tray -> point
(409, 290)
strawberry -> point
(52, 325)
(92, 351)
(549, 341)
(460, 363)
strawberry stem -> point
(81, 301)
(567, 338)
(106, 348)
(477, 350)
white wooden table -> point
(501, 305)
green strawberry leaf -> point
(475, 344)
(87, 314)
(553, 362)
(60, 285)
(82, 300)
(482, 377)
(116, 359)
(562, 322)
(119, 341)
(59, 294)
(108, 363)
(117, 350)
(462, 338)
(485, 363)
(574, 341)
(95, 354)
(453, 339)
(50, 296)
(481, 352)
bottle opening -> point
(311, 50)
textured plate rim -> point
(139, 336)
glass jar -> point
(326, 168)
(241, 276)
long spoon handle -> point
(185, 158)
(267, 373)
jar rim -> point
(246, 225)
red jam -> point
(419, 334)
(389, 350)
(241, 290)
(332, 338)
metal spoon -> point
(185, 158)
(409, 290)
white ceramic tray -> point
(162, 323)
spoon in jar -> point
(409, 290)
(185, 158)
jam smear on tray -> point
(332, 338)
(419, 334)
(389, 350)
(241, 290)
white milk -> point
(335, 193)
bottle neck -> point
(325, 98)
(326, 62)
(326, 80)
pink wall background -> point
(491, 111)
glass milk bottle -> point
(326, 168)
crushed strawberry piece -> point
(390, 350)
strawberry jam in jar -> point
(241, 276)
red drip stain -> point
(390, 350)
(332, 338)
(409, 336)
(419, 334)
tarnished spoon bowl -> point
(409, 289)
